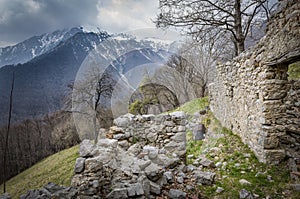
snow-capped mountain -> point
(43, 78)
(35, 46)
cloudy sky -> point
(21, 19)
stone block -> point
(274, 156)
(119, 193)
(108, 143)
(135, 190)
(176, 194)
(179, 137)
(79, 165)
(271, 142)
(155, 188)
(153, 172)
(86, 148)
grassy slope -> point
(57, 168)
(193, 106)
(233, 151)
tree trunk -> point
(7, 133)
(240, 39)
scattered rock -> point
(190, 168)
(190, 156)
(5, 196)
(219, 164)
(180, 179)
(198, 132)
(155, 188)
(169, 176)
(177, 194)
(244, 182)
(219, 190)
(205, 178)
(51, 190)
(244, 194)
(207, 163)
(295, 187)
(270, 179)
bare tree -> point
(175, 80)
(200, 58)
(7, 132)
(209, 18)
(87, 95)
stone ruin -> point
(132, 158)
(252, 95)
(141, 156)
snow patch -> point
(33, 52)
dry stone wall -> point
(252, 96)
(134, 159)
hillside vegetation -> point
(57, 168)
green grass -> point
(294, 71)
(57, 168)
(233, 151)
(193, 106)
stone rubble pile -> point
(139, 158)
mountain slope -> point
(34, 46)
(42, 83)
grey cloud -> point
(21, 19)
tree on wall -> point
(209, 18)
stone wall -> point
(167, 132)
(291, 139)
(133, 158)
(251, 94)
